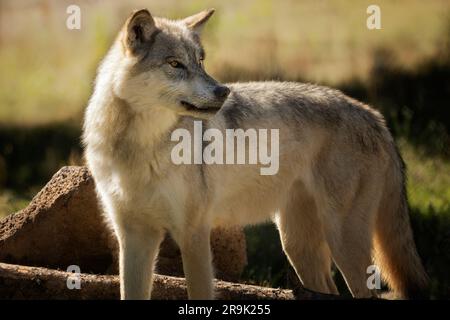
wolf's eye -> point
(176, 64)
(200, 62)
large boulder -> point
(63, 226)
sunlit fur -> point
(339, 191)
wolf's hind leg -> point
(352, 255)
(138, 249)
(350, 240)
(304, 242)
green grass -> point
(428, 180)
(11, 202)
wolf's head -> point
(158, 62)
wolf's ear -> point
(197, 21)
(138, 32)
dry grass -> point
(47, 70)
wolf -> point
(338, 196)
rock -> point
(63, 226)
(60, 227)
(20, 282)
(229, 252)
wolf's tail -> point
(394, 248)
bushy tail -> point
(394, 248)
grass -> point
(428, 180)
(11, 202)
(47, 70)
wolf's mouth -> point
(190, 106)
(193, 109)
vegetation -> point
(403, 69)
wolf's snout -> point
(221, 92)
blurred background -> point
(47, 73)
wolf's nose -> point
(221, 92)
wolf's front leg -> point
(197, 264)
(138, 249)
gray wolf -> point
(338, 196)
